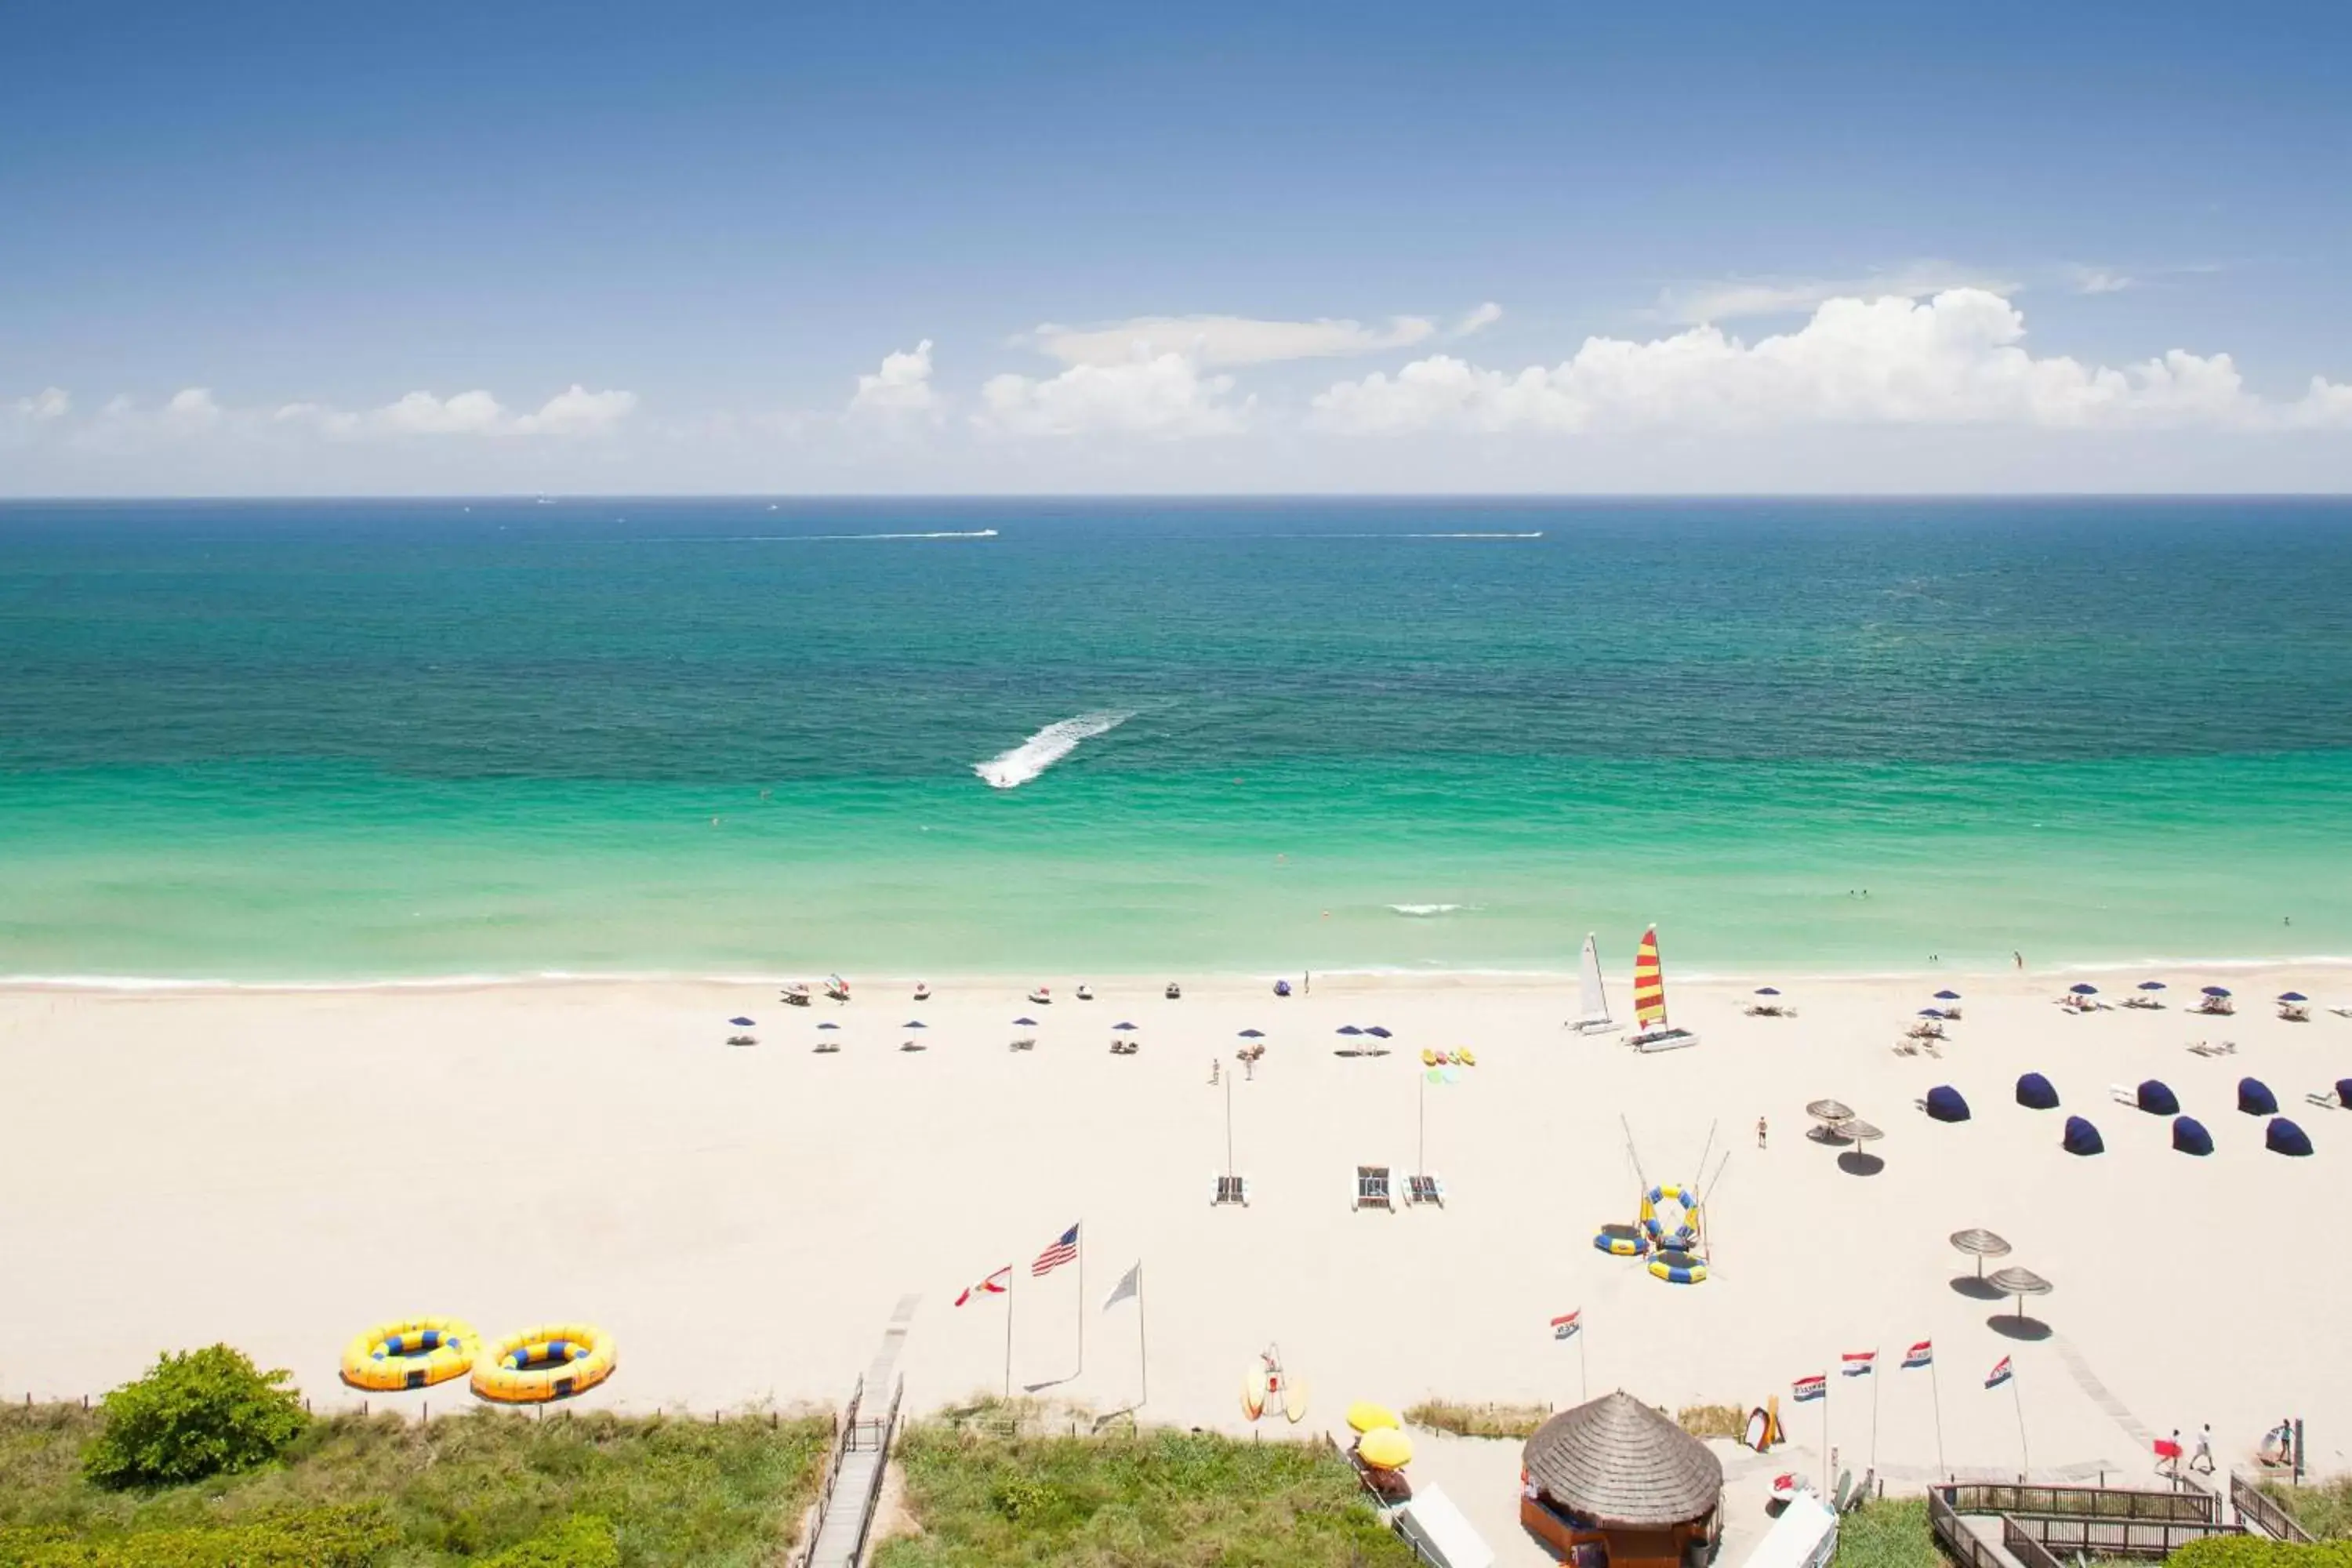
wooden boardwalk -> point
(853, 1483)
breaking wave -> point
(1012, 768)
(1427, 912)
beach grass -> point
(1892, 1533)
(1467, 1420)
(2324, 1508)
(666, 1488)
(980, 1499)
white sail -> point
(1595, 1014)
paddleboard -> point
(1294, 1399)
(1758, 1431)
(1254, 1393)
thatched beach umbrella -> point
(1623, 1466)
(1981, 1244)
(2020, 1283)
(1831, 1110)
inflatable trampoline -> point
(1678, 1268)
(2081, 1138)
(553, 1361)
(1686, 1206)
(2034, 1093)
(2157, 1099)
(413, 1353)
(2255, 1099)
(2188, 1136)
(1622, 1240)
(1945, 1104)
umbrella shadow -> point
(1860, 1162)
(1977, 1288)
(2017, 1326)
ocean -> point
(338, 741)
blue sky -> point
(710, 221)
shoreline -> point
(1376, 977)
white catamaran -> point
(1595, 1016)
(1650, 1002)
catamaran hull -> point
(1663, 1039)
(1593, 1025)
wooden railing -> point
(1958, 1539)
(2025, 1547)
(844, 1426)
(882, 1431)
(2191, 1506)
(2265, 1511)
(2043, 1525)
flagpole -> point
(1935, 1391)
(1142, 1350)
(1874, 1413)
(1008, 1334)
(1080, 1229)
(2025, 1453)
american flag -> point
(1858, 1363)
(996, 1284)
(1565, 1327)
(1053, 1258)
(1919, 1355)
(1815, 1387)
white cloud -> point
(2101, 281)
(1737, 299)
(902, 387)
(1954, 359)
(577, 411)
(117, 405)
(1479, 320)
(194, 406)
(423, 413)
(1160, 395)
(1209, 341)
(49, 403)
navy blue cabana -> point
(2033, 1092)
(2157, 1100)
(1945, 1104)
(2255, 1099)
(2188, 1136)
(2284, 1137)
(2081, 1138)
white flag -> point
(1130, 1284)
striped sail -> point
(1649, 982)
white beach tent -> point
(1804, 1536)
(1439, 1532)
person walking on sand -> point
(2020, 957)
(1760, 1132)
(2203, 1458)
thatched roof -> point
(1621, 1464)
(2019, 1282)
(1983, 1243)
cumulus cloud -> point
(1958, 358)
(1739, 299)
(575, 411)
(901, 389)
(1212, 340)
(2101, 281)
(49, 403)
(194, 406)
(1157, 395)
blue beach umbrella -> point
(914, 1023)
(1017, 1022)
(828, 1025)
(2083, 988)
(1123, 1027)
(1948, 996)
(2217, 991)
(2152, 984)
(2292, 996)
(1377, 1032)
(1349, 1029)
(1767, 991)
(1931, 1012)
(740, 1023)
(1252, 1034)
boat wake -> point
(1538, 534)
(1429, 911)
(1040, 751)
(816, 537)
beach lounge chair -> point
(836, 990)
(1906, 1048)
(1027, 1043)
(1372, 1189)
(2203, 1048)
(2296, 1012)
(913, 1046)
(2215, 1007)
(1861, 1494)
(827, 1047)
(922, 992)
(1044, 997)
(795, 996)
(1174, 991)
(742, 1039)
(1424, 1191)
(2342, 1012)
(1086, 992)
(1232, 1190)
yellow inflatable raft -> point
(552, 1361)
(415, 1353)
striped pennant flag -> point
(1815, 1387)
(2000, 1375)
(1565, 1326)
(1858, 1364)
(1919, 1355)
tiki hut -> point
(1618, 1476)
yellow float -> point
(415, 1353)
(553, 1361)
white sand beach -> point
(279, 1169)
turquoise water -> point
(336, 741)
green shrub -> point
(200, 1413)
(582, 1540)
(2260, 1552)
(291, 1538)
